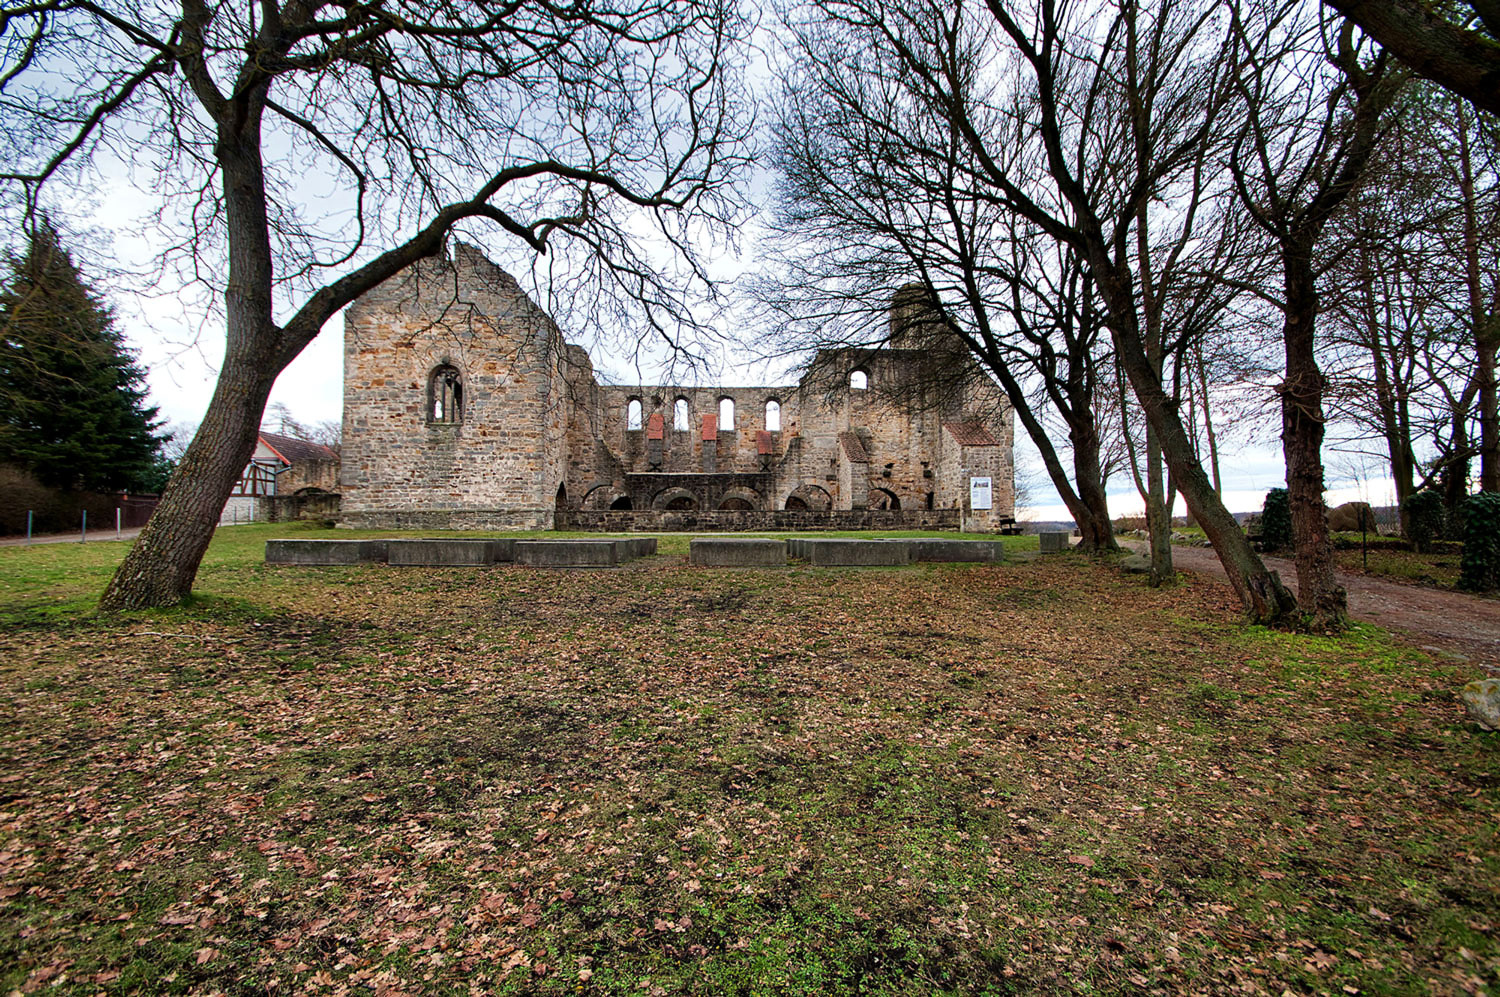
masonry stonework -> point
(464, 408)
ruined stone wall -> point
(320, 474)
(539, 435)
(501, 462)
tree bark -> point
(1096, 533)
(160, 568)
(1318, 592)
(1466, 62)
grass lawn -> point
(1388, 558)
(1035, 778)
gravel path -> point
(1435, 619)
(66, 538)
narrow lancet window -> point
(773, 416)
(633, 414)
(680, 415)
(726, 415)
(445, 395)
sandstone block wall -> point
(539, 438)
(502, 460)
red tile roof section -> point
(656, 427)
(854, 448)
(292, 450)
(971, 434)
(764, 444)
(710, 427)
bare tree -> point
(1071, 72)
(571, 129)
(1412, 299)
(1307, 138)
(875, 192)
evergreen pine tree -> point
(72, 400)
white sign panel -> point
(979, 493)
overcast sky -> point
(181, 348)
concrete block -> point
(505, 549)
(568, 553)
(856, 553)
(325, 551)
(956, 550)
(737, 552)
(1053, 543)
(444, 552)
(797, 547)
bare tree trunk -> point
(160, 568)
(1208, 419)
(1265, 598)
(1158, 515)
(1087, 504)
(1319, 593)
(1094, 528)
(1158, 512)
(1486, 328)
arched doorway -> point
(884, 498)
(622, 504)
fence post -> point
(117, 522)
(28, 527)
(83, 530)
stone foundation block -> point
(441, 552)
(1053, 543)
(568, 553)
(858, 553)
(325, 551)
(737, 552)
(957, 550)
(638, 546)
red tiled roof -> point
(292, 450)
(710, 427)
(764, 443)
(656, 427)
(971, 434)
(854, 448)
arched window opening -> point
(633, 414)
(795, 504)
(682, 503)
(884, 498)
(773, 416)
(680, 415)
(735, 505)
(859, 380)
(622, 503)
(726, 415)
(445, 395)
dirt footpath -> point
(1436, 619)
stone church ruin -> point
(465, 408)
